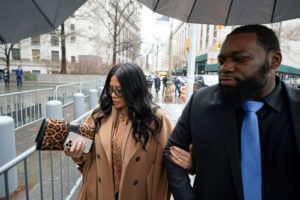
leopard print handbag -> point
(53, 133)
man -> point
(165, 80)
(6, 76)
(157, 84)
(149, 83)
(178, 84)
(19, 74)
(227, 165)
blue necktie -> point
(250, 152)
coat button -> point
(135, 182)
(138, 159)
(99, 179)
(98, 156)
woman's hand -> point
(76, 150)
(181, 157)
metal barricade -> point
(25, 107)
(61, 181)
(64, 93)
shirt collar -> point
(274, 99)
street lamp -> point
(168, 95)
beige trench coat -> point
(143, 174)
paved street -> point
(26, 86)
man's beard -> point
(246, 89)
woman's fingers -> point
(180, 154)
(181, 157)
(178, 162)
(180, 151)
(191, 148)
(76, 149)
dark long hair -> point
(141, 109)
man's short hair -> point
(266, 37)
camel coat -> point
(143, 174)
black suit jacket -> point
(211, 127)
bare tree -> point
(6, 51)
(63, 49)
(117, 16)
(62, 35)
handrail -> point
(31, 150)
(26, 91)
(17, 159)
(23, 157)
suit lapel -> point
(227, 122)
(294, 108)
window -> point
(201, 34)
(36, 72)
(35, 40)
(54, 39)
(54, 56)
(215, 31)
(215, 35)
(73, 39)
(207, 35)
(72, 27)
(36, 55)
(73, 59)
(15, 54)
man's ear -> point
(276, 58)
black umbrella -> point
(226, 12)
(21, 19)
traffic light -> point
(217, 46)
(187, 43)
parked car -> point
(205, 80)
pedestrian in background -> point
(245, 131)
(19, 75)
(165, 80)
(149, 83)
(178, 85)
(157, 84)
(126, 160)
(6, 76)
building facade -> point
(209, 39)
(88, 41)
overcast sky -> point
(152, 29)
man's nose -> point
(227, 66)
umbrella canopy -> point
(21, 19)
(226, 12)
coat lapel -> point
(105, 134)
(227, 122)
(130, 147)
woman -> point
(126, 159)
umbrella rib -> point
(40, 10)
(228, 12)
(274, 6)
(156, 5)
(192, 10)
